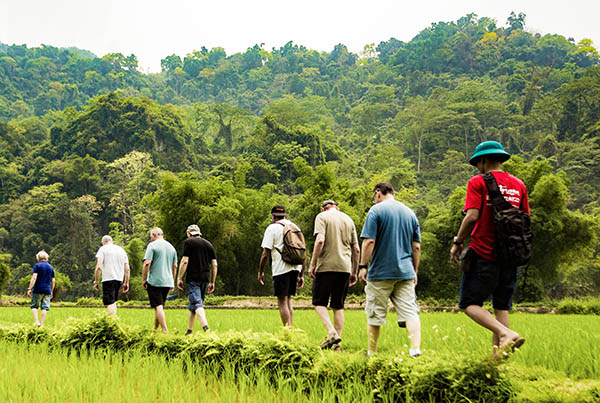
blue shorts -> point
(196, 293)
(40, 299)
(486, 278)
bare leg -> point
(160, 319)
(324, 316)
(338, 321)
(35, 316)
(284, 310)
(372, 338)
(413, 326)
(502, 317)
(201, 317)
(191, 320)
(112, 309)
(43, 315)
(290, 310)
(502, 333)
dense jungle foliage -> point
(91, 145)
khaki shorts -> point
(400, 292)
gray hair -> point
(106, 239)
(156, 231)
(41, 255)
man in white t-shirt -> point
(286, 277)
(114, 265)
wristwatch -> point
(456, 241)
(362, 266)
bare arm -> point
(416, 257)
(466, 227)
(368, 245)
(264, 260)
(355, 258)
(145, 270)
(317, 249)
(126, 279)
(213, 276)
(182, 268)
(52, 287)
(174, 273)
(97, 272)
(31, 283)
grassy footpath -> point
(558, 362)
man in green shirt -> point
(160, 268)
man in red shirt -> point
(485, 276)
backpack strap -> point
(498, 201)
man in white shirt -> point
(286, 277)
(114, 265)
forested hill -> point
(92, 145)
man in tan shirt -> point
(333, 267)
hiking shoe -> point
(337, 347)
(330, 340)
(415, 352)
(188, 332)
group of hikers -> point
(387, 262)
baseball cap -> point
(278, 211)
(327, 203)
(194, 230)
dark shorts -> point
(110, 291)
(285, 284)
(157, 295)
(196, 294)
(330, 284)
(487, 278)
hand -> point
(180, 284)
(261, 278)
(171, 289)
(29, 293)
(145, 284)
(416, 279)
(300, 282)
(362, 276)
(211, 288)
(126, 288)
(455, 251)
(353, 280)
(51, 295)
(311, 271)
(96, 288)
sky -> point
(154, 29)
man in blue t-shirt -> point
(158, 274)
(392, 243)
(41, 288)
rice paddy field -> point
(560, 360)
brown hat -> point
(278, 211)
(327, 203)
(193, 230)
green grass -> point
(558, 362)
(565, 343)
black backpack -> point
(294, 247)
(514, 238)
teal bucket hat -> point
(487, 148)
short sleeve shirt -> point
(273, 240)
(200, 252)
(483, 234)
(45, 274)
(114, 259)
(340, 234)
(394, 227)
(163, 257)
